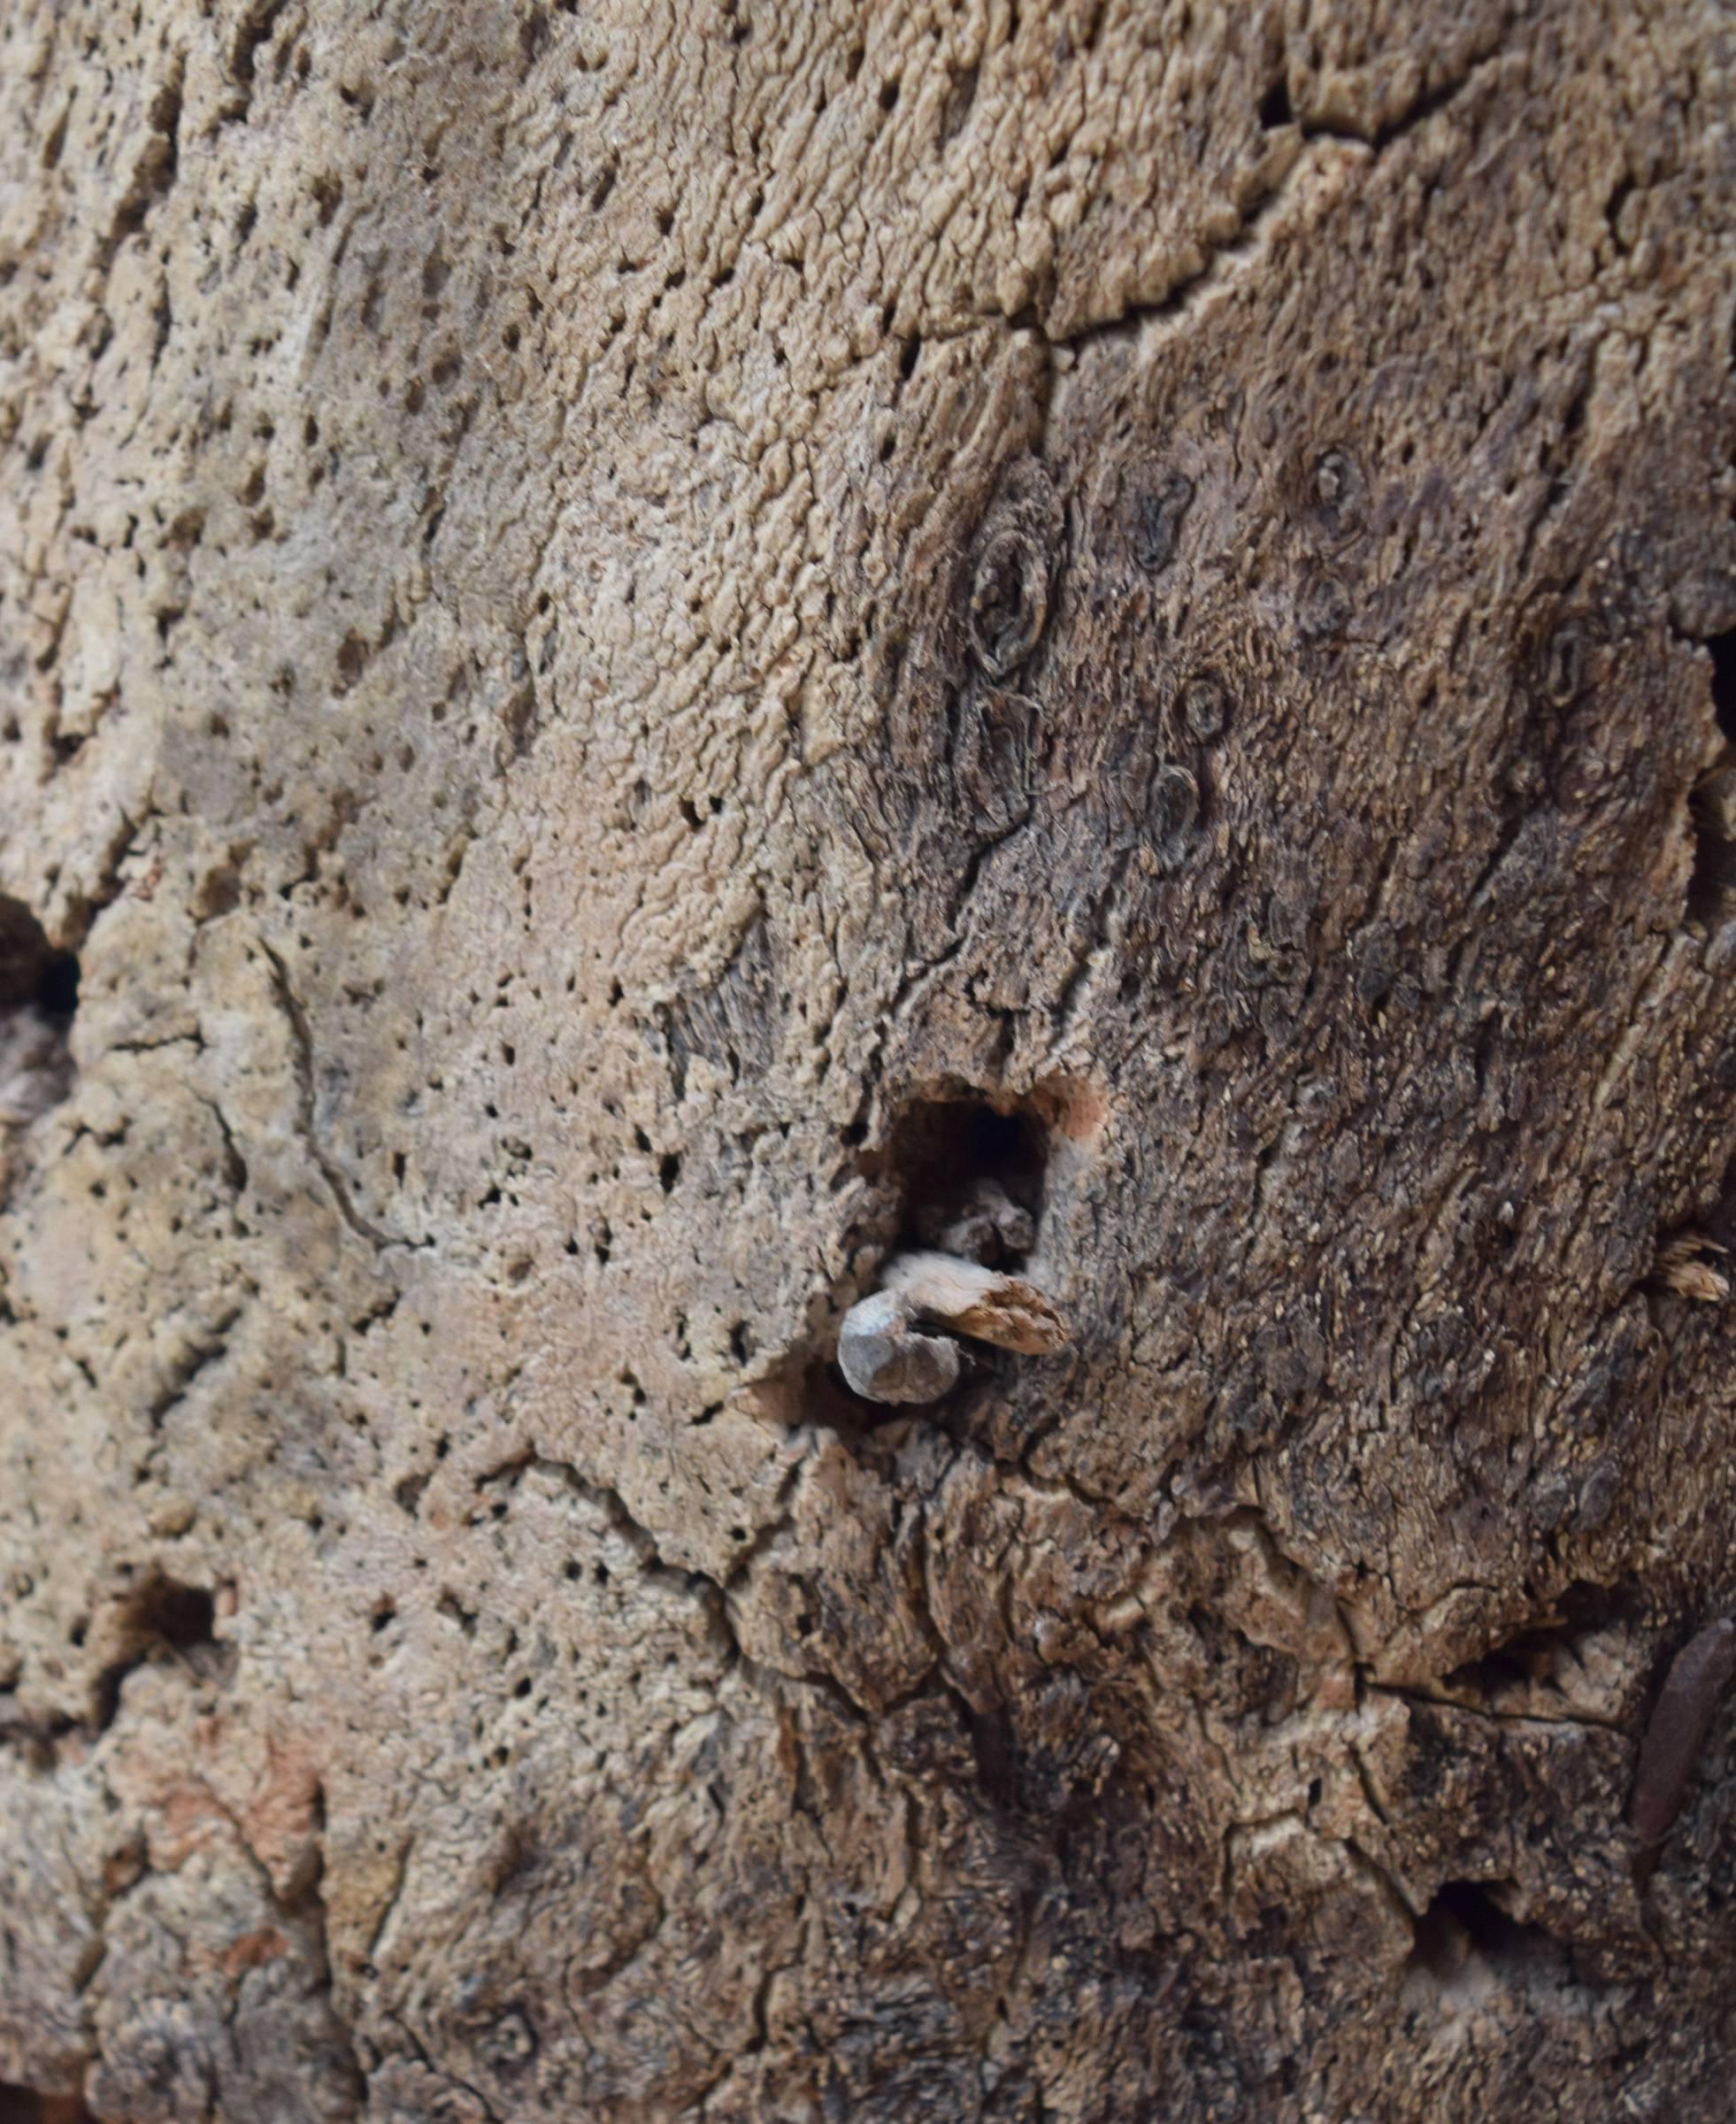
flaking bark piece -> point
(1679, 1267)
(983, 1303)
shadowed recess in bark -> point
(1712, 889)
(24, 2106)
(160, 1619)
(39, 993)
(958, 1166)
(1465, 1923)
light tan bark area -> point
(655, 652)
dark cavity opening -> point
(962, 1171)
(1275, 104)
(176, 1615)
(32, 972)
(1529, 1655)
(162, 1618)
(1722, 649)
(25, 2106)
(968, 1174)
(1711, 896)
(1466, 1920)
(39, 992)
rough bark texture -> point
(640, 642)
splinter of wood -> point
(983, 1303)
(1680, 1719)
(885, 1355)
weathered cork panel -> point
(642, 646)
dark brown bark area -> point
(637, 645)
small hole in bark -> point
(31, 971)
(1712, 806)
(1723, 651)
(1275, 104)
(166, 1612)
(1534, 1653)
(959, 1171)
(176, 1615)
(161, 1616)
(57, 988)
(996, 1753)
(1465, 1920)
(969, 1176)
(39, 994)
(24, 2105)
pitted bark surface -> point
(638, 642)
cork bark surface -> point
(642, 642)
